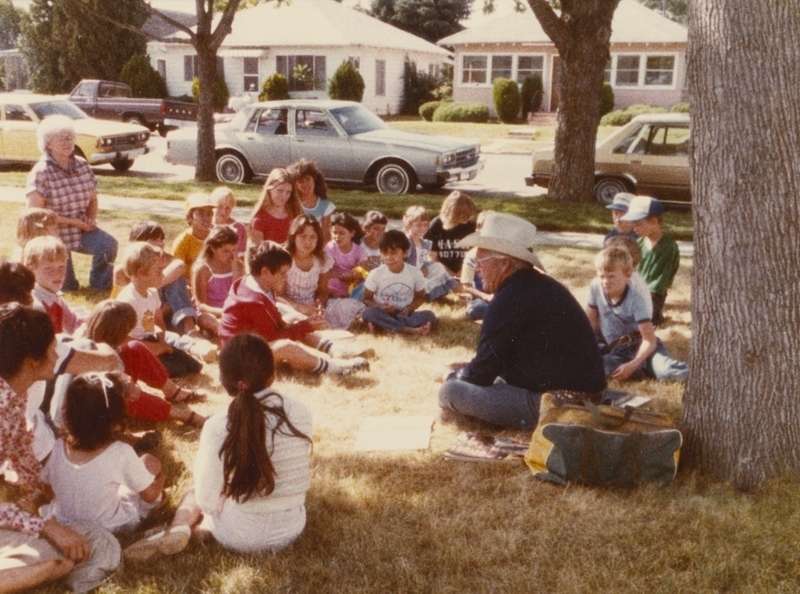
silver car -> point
(349, 143)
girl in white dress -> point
(252, 467)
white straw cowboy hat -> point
(507, 235)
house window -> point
(501, 67)
(304, 73)
(380, 78)
(659, 70)
(473, 69)
(627, 71)
(529, 66)
(607, 73)
(355, 62)
(250, 74)
(191, 68)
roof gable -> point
(632, 23)
(318, 23)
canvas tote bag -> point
(602, 445)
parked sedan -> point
(97, 141)
(349, 143)
(649, 155)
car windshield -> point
(46, 108)
(356, 119)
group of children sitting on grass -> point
(308, 269)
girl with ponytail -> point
(252, 467)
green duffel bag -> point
(602, 445)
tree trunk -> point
(742, 402)
(582, 35)
(206, 73)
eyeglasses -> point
(484, 259)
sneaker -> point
(347, 366)
(169, 541)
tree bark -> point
(742, 401)
(582, 35)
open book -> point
(474, 447)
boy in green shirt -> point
(660, 256)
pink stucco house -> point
(648, 58)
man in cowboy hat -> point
(535, 336)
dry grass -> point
(414, 522)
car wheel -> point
(393, 178)
(122, 164)
(135, 120)
(164, 129)
(606, 189)
(232, 169)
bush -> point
(606, 99)
(426, 110)
(346, 83)
(274, 88)
(507, 101)
(461, 112)
(221, 94)
(623, 116)
(418, 87)
(680, 107)
(142, 78)
(531, 94)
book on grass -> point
(474, 447)
(390, 433)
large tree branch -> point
(225, 24)
(551, 23)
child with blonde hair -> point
(200, 218)
(635, 250)
(46, 257)
(144, 265)
(620, 315)
(453, 224)
(276, 208)
(437, 280)
(224, 202)
(34, 222)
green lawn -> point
(547, 214)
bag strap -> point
(605, 422)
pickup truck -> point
(108, 100)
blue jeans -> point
(179, 300)
(499, 404)
(476, 308)
(103, 248)
(395, 322)
(658, 365)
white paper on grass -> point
(392, 433)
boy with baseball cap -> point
(660, 256)
(619, 207)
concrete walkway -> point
(175, 209)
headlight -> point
(447, 159)
(102, 142)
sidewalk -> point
(175, 209)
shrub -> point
(606, 99)
(507, 101)
(682, 107)
(142, 78)
(418, 87)
(221, 94)
(426, 110)
(346, 83)
(623, 116)
(531, 94)
(274, 88)
(461, 112)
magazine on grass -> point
(474, 447)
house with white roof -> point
(316, 34)
(648, 58)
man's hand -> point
(71, 544)
(624, 371)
